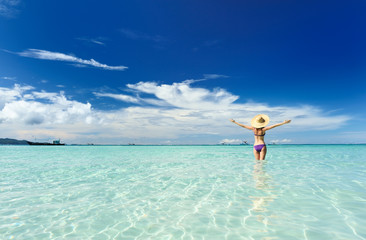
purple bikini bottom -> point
(259, 147)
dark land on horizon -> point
(10, 141)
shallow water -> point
(182, 192)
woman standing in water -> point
(258, 127)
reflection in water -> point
(264, 193)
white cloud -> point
(173, 111)
(45, 95)
(182, 95)
(179, 109)
(56, 56)
(20, 107)
(11, 94)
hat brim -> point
(256, 124)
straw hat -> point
(259, 121)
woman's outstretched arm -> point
(276, 125)
(242, 125)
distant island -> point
(9, 141)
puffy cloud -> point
(178, 109)
(11, 94)
(27, 108)
(182, 95)
(200, 103)
(56, 56)
(163, 112)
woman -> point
(258, 126)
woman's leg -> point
(256, 154)
(262, 154)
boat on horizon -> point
(54, 143)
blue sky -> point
(174, 72)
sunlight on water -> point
(182, 192)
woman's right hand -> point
(232, 120)
(287, 121)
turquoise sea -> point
(182, 192)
